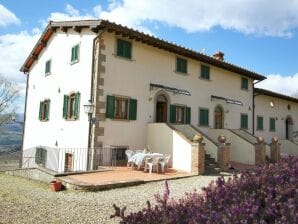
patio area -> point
(117, 177)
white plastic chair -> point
(129, 153)
(164, 162)
(152, 162)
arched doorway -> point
(161, 108)
(218, 117)
(289, 128)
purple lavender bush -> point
(266, 194)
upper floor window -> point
(123, 108)
(75, 54)
(71, 105)
(205, 72)
(244, 83)
(44, 110)
(48, 67)
(244, 121)
(181, 65)
(260, 123)
(180, 114)
(271, 124)
(204, 117)
(124, 48)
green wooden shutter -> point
(259, 123)
(77, 105)
(72, 54)
(47, 109)
(132, 109)
(127, 49)
(119, 47)
(272, 124)
(110, 107)
(65, 106)
(204, 117)
(40, 111)
(244, 121)
(188, 115)
(172, 114)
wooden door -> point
(68, 162)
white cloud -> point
(14, 48)
(258, 17)
(7, 17)
(282, 84)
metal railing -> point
(63, 160)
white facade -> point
(132, 78)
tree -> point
(8, 94)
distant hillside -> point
(11, 134)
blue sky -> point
(260, 35)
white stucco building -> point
(132, 79)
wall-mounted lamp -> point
(249, 108)
(89, 109)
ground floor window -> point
(260, 123)
(272, 124)
(180, 114)
(123, 108)
(203, 117)
(244, 121)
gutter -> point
(253, 105)
(92, 99)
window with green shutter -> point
(180, 114)
(244, 83)
(124, 48)
(75, 54)
(48, 67)
(44, 110)
(260, 125)
(271, 124)
(71, 106)
(244, 121)
(204, 117)
(41, 156)
(181, 65)
(122, 108)
(205, 72)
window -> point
(75, 54)
(205, 72)
(180, 114)
(71, 105)
(48, 67)
(41, 156)
(124, 48)
(123, 108)
(260, 123)
(44, 110)
(272, 124)
(244, 121)
(244, 83)
(204, 117)
(181, 65)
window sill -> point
(260, 129)
(204, 79)
(71, 119)
(272, 130)
(125, 58)
(245, 89)
(43, 120)
(181, 73)
(74, 62)
(204, 126)
(47, 74)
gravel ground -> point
(26, 201)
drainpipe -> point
(253, 106)
(24, 124)
(92, 98)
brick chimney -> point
(219, 55)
